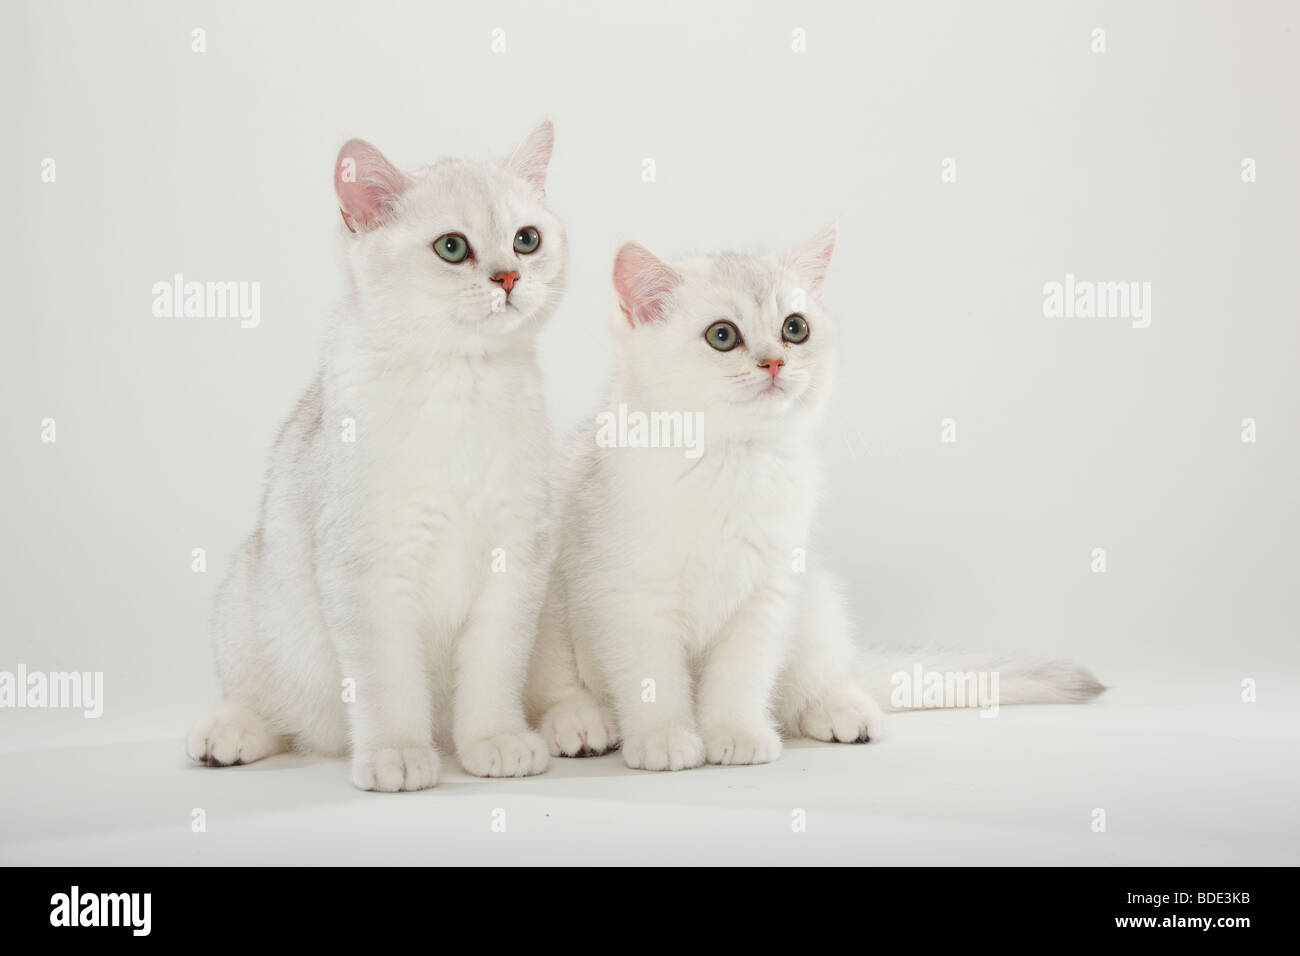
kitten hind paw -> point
(578, 727)
(846, 716)
(231, 737)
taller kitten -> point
(676, 616)
(389, 595)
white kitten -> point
(676, 618)
(388, 598)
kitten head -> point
(741, 337)
(466, 252)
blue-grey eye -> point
(795, 328)
(453, 247)
(723, 336)
(527, 240)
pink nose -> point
(507, 279)
(772, 365)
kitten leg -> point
(492, 737)
(237, 732)
(552, 664)
(736, 681)
(820, 694)
(380, 648)
(234, 735)
(274, 660)
(650, 682)
(568, 717)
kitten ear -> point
(367, 185)
(812, 259)
(642, 282)
(533, 155)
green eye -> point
(723, 336)
(453, 247)
(527, 240)
(795, 328)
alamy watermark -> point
(923, 689)
(129, 910)
(179, 299)
(633, 429)
(1085, 299)
(66, 690)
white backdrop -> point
(1072, 434)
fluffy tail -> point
(925, 679)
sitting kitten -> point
(674, 617)
(392, 585)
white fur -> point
(373, 561)
(683, 571)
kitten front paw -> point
(393, 769)
(847, 716)
(505, 755)
(579, 727)
(675, 748)
(741, 744)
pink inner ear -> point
(367, 184)
(531, 158)
(642, 282)
(812, 260)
